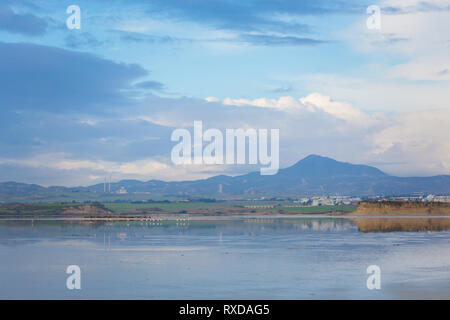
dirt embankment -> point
(52, 209)
(402, 208)
(86, 209)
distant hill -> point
(16, 188)
(312, 175)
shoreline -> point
(200, 211)
(211, 217)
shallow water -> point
(234, 258)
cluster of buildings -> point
(306, 201)
(328, 200)
(422, 198)
(347, 200)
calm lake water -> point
(234, 258)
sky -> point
(77, 105)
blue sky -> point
(79, 104)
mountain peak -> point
(316, 157)
(316, 165)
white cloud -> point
(341, 110)
(89, 172)
(376, 90)
(61, 161)
(403, 67)
(312, 103)
(436, 68)
(419, 140)
(414, 30)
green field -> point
(180, 207)
(177, 207)
(128, 207)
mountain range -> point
(313, 175)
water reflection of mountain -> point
(29, 230)
(402, 224)
(323, 225)
(16, 233)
